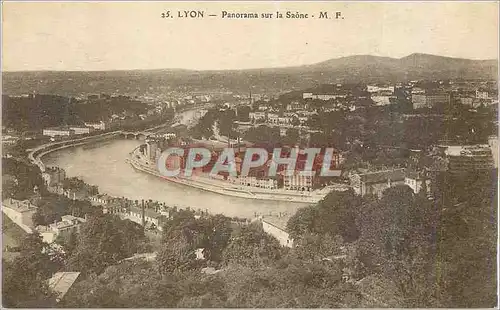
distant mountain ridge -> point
(349, 69)
(417, 66)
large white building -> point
(324, 97)
(54, 132)
(255, 116)
(381, 100)
(376, 89)
(429, 100)
(254, 182)
(81, 130)
(275, 119)
(482, 94)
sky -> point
(132, 35)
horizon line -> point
(247, 69)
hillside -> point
(358, 68)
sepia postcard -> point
(278, 154)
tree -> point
(104, 241)
(263, 134)
(52, 207)
(24, 280)
(24, 176)
(251, 246)
(333, 215)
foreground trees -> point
(104, 241)
(402, 250)
(24, 279)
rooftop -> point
(18, 205)
(61, 282)
(277, 221)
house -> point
(200, 254)
(69, 224)
(147, 217)
(295, 105)
(20, 212)
(100, 199)
(416, 181)
(169, 135)
(482, 94)
(80, 194)
(376, 182)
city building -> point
(376, 182)
(151, 149)
(416, 181)
(261, 182)
(324, 97)
(482, 94)
(147, 218)
(96, 125)
(169, 135)
(430, 99)
(295, 106)
(493, 143)
(469, 101)
(69, 224)
(468, 158)
(381, 100)
(58, 131)
(101, 199)
(81, 130)
(20, 212)
(297, 181)
(283, 131)
(53, 176)
(255, 116)
(376, 89)
(275, 119)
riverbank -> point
(221, 188)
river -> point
(103, 164)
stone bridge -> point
(135, 135)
